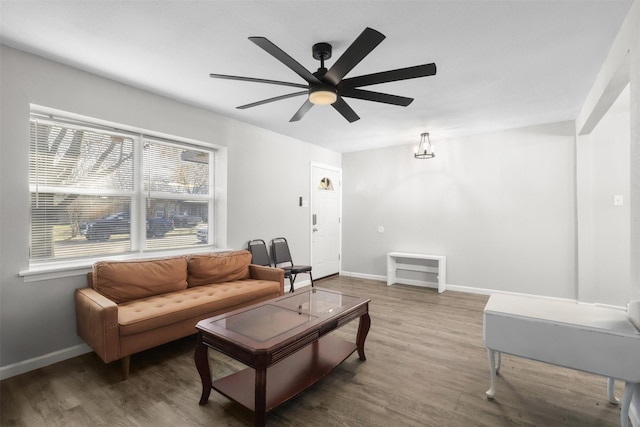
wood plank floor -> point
(426, 366)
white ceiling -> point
(501, 64)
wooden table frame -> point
(284, 366)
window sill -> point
(61, 269)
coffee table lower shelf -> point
(290, 376)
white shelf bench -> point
(402, 261)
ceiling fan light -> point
(323, 95)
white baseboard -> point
(364, 276)
(42, 361)
(296, 285)
(418, 283)
(470, 290)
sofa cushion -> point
(205, 301)
(123, 281)
(218, 267)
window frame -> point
(56, 268)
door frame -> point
(311, 192)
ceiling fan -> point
(329, 86)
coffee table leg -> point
(201, 357)
(261, 397)
(363, 330)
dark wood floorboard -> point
(426, 366)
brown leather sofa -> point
(131, 306)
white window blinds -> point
(96, 191)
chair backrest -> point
(280, 251)
(259, 254)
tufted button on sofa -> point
(131, 306)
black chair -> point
(281, 255)
(259, 254)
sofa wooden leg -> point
(126, 362)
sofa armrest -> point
(97, 323)
(267, 273)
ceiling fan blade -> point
(275, 98)
(302, 111)
(391, 76)
(361, 47)
(368, 95)
(283, 57)
(344, 109)
(252, 79)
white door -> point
(326, 196)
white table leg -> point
(626, 402)
(492, 372)
(610, 392)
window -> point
(99, 191)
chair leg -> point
(126, 363)
(291, 280)
(311, 277)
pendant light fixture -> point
(425, 150)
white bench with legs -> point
(600, 340)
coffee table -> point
(285, 344)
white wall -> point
(604, 230)
(268, 174)
(621, 67)
(500, 206)
(37, 319)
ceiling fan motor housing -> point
(321, 51)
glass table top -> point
(264, 322)
(267, 321)
(317, 301)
